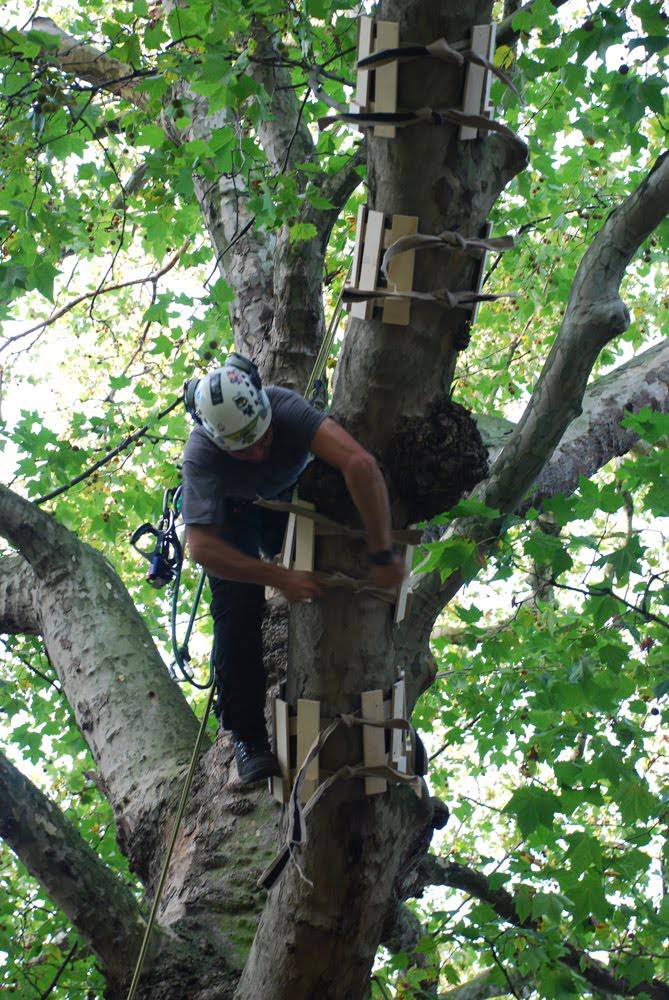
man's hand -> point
(296, 585)
(388, 576)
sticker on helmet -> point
(215, 389)
(235, 377)
(243, 404)
(246, 434)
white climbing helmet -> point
(231, 404)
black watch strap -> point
(383, 557)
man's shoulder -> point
(278, 395)
(199, 448)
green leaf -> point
(548, 905)
(589, 899)
(547, 549)
(43, 278)
(302, 231)
(584, 852)
(635, 801)
(533, 807)
(651, 426)
(318, 201)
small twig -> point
(502, 969)
(381, 987)
(100, 291)
(61, 969)
(296, 129)
(607, 592)
(26, 663)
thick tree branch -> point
(434, 871)
(594, 316)
(136, 722)
(402, 929)
(19, 600)
(99, 906)
(248, 270)
(597, 435)
(284, 135)
(89, 63)
(337, 189)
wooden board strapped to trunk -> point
(375, 232)
(476, 93)
(298, 541)
(294, 732)
(376, 89)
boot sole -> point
(260, 772)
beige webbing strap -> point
(434, 116)
(297, 813)
(355, 586)
(407, 536)
(473, 246)
(443, 296)
(439, 49)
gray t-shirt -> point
(211, 476)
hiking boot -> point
(255, 760)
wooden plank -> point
(385, 82)
(305, 532)
(486, 105)
(281, 743)
(402, 597)
(475, 79)
(369, 265)
(373, 739)
(360, 226)
(286, 557)
(400, 271)
(363, 76)
(398, 756)
(308, 723)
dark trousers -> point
(237, 610)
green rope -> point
(170, 847)
(326, 343)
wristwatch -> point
(383, 557)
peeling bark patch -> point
(436, 459)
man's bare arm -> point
(221, 559)
(368, 491)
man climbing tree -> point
(180, 180)
(251, 442)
